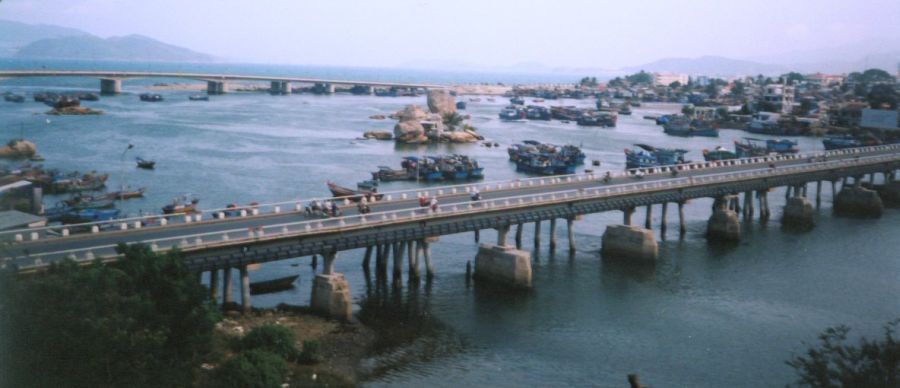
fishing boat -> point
(181, 206)
(534, 112)
(93, 203)
(625, 109)
(198, 97)
(650, 156)
(681, 126)
(569, 113)
(517, 101)
(9, 97)
(720, 153)
(597, 119)
(73, 183)
(145, 164)
(89, 215)
(148, 97)
(512, 113)
(126, 194)
(387, 174)
(848, 141)
(461, 105)
(758, 147)
(353, 195)
(782, 146)
(273, 285)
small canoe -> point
(117, 195)
(145, 164)
(274, 285)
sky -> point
(495, 33)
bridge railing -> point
(283, 230)
(297, 205)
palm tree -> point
(452, 120)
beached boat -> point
(273, 285)
(181, 206)
(720, 153)
(145, 164)
(198, 97)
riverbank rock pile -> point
(378, 135)
(74, 111)
(416, 126)
(18, 149)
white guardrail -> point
(284, 230)
(297, 205)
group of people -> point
(328, 207)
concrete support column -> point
(818, 193)
(331, 296)
(398, 262)
(627, 212)
(682, 228)
(214, 285)
(552, 233)
(370, 90)
(519, 227)
(426, 253)
(803, 188)
(502, 233)
(570, 231)
(245, 289)
(477, 235)
(723, 224)
(537, 234)
(798, 212)
(648, 218)
(110, 86)
(412, 262)
(504, 265)
(216, 87)
(631, 243)
(662, 221)
(382, 259)
(748, 205)
(226, 286)
(329, 257)
(367, 258)
(787, 192)
(329, 88)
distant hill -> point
(125, 48)
(15, 35)
(710, 65)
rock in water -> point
(411, 113)
(18, 149)
(410, 132)
(378, 135)
(441, 102)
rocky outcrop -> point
(378, 135)
(410, 131)
(377, 117)
(631, 243)
(461, 137)
(441, 102)
(74, 111)
(18, 149)
(858, 202)
(798, 212)
(410, 113)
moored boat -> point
(181, 206)
(512, 113)
(145, 164)
(148, 97)
(719, 153)
(650, 156)
(273, 285)
(10, 97)
(353, 195)
(198, 97)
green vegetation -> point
(675, 85)
(882, 96)
(833, 363)
(589, 82)
(252, 369)
(143, 321)
(310, 353)
(452, 120)
(271, 338)
(687, 110)
(641, 77)
(793, 78)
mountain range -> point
(19, 40)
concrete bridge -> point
(400, 226)
(111, 81)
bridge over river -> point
(210, 241)
(111, 81)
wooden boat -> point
(92, 203)
(145, 164)
(116, 195)
(274, 285)
(198, 97)
(181, 207)
(353, 195)
(147, 97)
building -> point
(665, 79)
(824, 80)
(14, 219)
(780, 95)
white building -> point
(665, 79)
(780, 95)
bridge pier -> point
(426, 253)
(110, 86)
(626, 214)
(367, 258)
(216, 87)
(798, 212)
(662, 221)
(552, 233)
(226, 286)
(630, 243)
(519, 235)
(570, 231)
(537, 234)
(398, 263)
(763, 197)
(682, 227)
(381, 260)
(280, 88)
(477, 235)
(502, 233)
(504, 265)
(330, 291)
(858, 202)
(648, 217)
(214, 285)
(723, 223)
(370, 90)
(245, 289)
(818, 193)
(412, 254)
(748, 206)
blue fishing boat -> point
(512, 113)
(517, 101)
(534, 112)
(682, 126)
(783, 146)
(848, 141)
(650, 156)
(758, 147)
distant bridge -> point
(283, 231)
(111, 81)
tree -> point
(833, 363)
(589, 82)
(737, 89)
(641, 77)
(252, 369)
(881, 95)
(617, 82)
(143, 321)
(792, 78)
(687, 110)
(271, 338)
(675, 85)
(452, 120)
(712, 90)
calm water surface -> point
(704, 316)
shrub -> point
(271, 338)
(310, 353)
(252, 369)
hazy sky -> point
(598, 34)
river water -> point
(705, 315)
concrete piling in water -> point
(315, 262)
(413, 254)
(648, 218)
(426, 252)
(367, 257)
(214, 285)
(818, 193)
(505, 265)
(330, 292)
(552, 233)
(245, 289)
(519, 236)
(477, 235)
(570, 230)
(537, 234)
(723, 224)
(502, 233)
(682, 227)
(631, 243)
(626, 215)
(662, 219)
(798, 212)
(858, 202)
(748, 205)
(398, 262)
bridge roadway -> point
(202, 77)
(229, 233)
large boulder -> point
(18, 149)
(410, 132)
(411, 113)
(441, 102)
(459, 137)
(378, 135)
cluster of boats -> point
(431, 169)
(650, 156)
(518, 113)
(54, 99)
(849, 141)
(56, 182)
(586, 117)
(545, 159)
(678, 125)
(751, 147)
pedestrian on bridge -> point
(434, 205)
